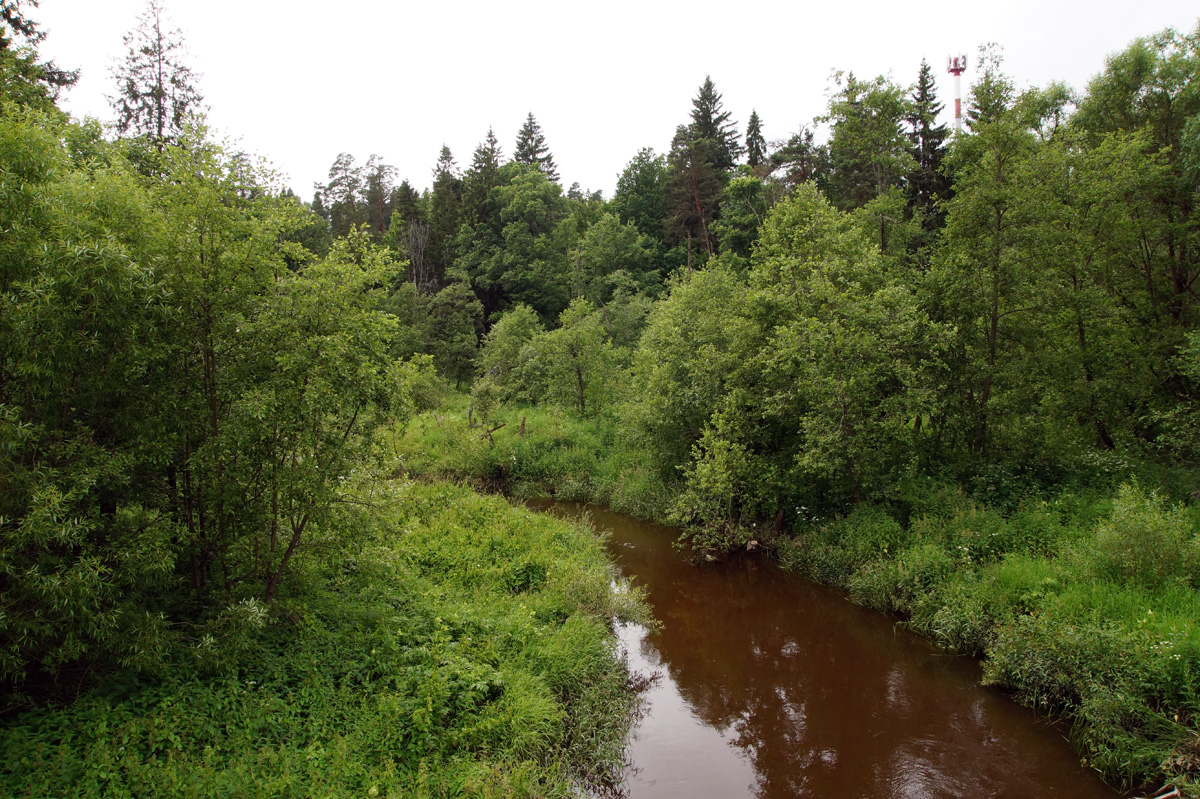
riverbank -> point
(465, 651)
(1080, 603)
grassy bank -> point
(558, 455)
(1081, 602)
(464, 652)
(1084, 607)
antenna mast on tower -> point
(956, 66)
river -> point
(771, 686)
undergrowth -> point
(1086, 608)
(558, 455)
(465, 651)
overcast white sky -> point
(299, 82)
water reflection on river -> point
(774, 687)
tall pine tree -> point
(926, 183)
(531, 149)
(711, 121)
(756, 145)
(694, 190)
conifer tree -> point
(868, 148)
(693, 192)
(756, 145)
(531, 148)
(481, 178)
(342, 195)
(378, 189)
(926, 183)
(156, 90)
(488, 154)
(23, 79)
(710, 121)
(444, 208)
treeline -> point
(825, 322)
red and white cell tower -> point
(956, 66)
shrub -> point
(1145, 542)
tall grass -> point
(559, 455)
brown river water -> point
(771, 686)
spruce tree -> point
(481, 178)
(926, 183)
(710, 121)
(443, 214)
(156, 90)
(531, 149)
(488, 154)
(756, 145)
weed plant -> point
(559, 455)
(1086, 608)
(465, 651)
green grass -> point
(1086, 608)
(465, 651)
(559, 455)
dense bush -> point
(464, 651)
(559, 455)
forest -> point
(243, 438)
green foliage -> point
(440, 661)
(156, 90)
(1147, 544)
(26, 83)
(756, 145)
(868, 150)
(184, 393)
(580, 368)
(1079, 610)
(744, 209)
(455, 317)
(612, 255)
(531, 149)
(711, 122)
(641, 197)
(689, 350)
(508, 360)
(539, 453)
(520, 255)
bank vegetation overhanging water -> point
(1079, 602)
